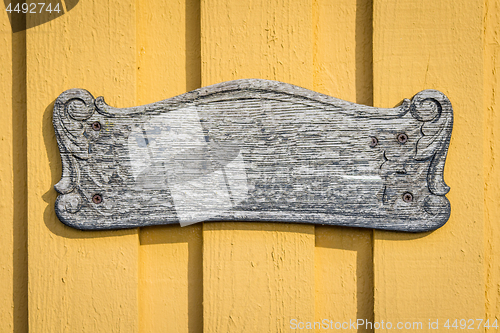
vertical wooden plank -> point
(171, 281)
(79, 281)
(168, 49)
(13, 210)
(435, 44)
(6, 179)
(343, 62)
(257, 276)
(492, 151)
(170, 265)
(343, 68)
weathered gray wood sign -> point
(253, 150)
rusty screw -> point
(402, 138)
(374, 142)
(407, 197)
(97, 199)
(96, 126)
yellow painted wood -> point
(6, 179)
(435, 44)
(79, 281)
(343, 49)
(168, 49)
(170, 257)
(252, 277)
(257, 276)
(344, 275)
(491, 160)
(343, 68)
(171, 279)
(13, 260)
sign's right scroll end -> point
(434, 110)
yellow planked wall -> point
(77, 281)
(13, 180)
(248, 277)
(492, 159)
(438, 45)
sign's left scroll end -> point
(72, 109)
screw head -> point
(407, 197)
(373, 142)
(97, 199)
(402, 138)
(96, 126)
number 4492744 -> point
(470, 324)
(33, 8)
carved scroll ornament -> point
(253, 150)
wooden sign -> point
(253, 150)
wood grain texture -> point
(266, 277)
(78, 282)
(170, 257)
(438, 275)
(491, 162)
(253, 150)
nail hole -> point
(407, 197)
(97, 199)
(402, 138)
(96, 126)
(374, 142)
